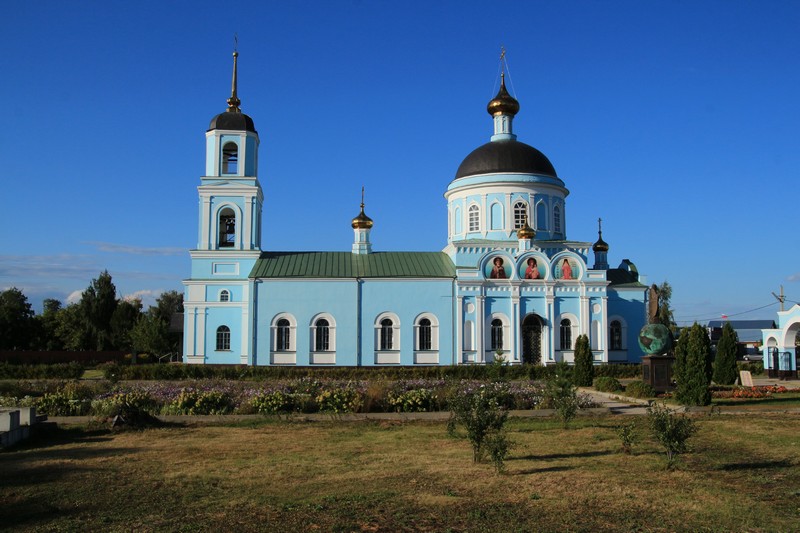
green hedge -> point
(754, 368)
(55, 371)
(116, 372)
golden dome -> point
(526, 232)
(503, 103)
(362, 221)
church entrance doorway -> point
(532, 339)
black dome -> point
(506, 156)
(232, 120)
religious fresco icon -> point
(566, 269)
(532, 269)
(498, 269)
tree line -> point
(99, 321)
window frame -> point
(473, 218)
(283, 338)
(384, 342)
(565, 334)
(520, 211)
(224, 295)
(223, 338)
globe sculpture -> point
(655, 339)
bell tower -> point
(218, 296)
(230, 194)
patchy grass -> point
(743, 474)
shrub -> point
(694, 375)
(754, 368)
(273, 403)
(639, 389)
(54, 371)
(483, 418)
(564, 399)
(725, 361)
(607, 384)
(411, 401)
(340, 400)
(671, 430)
(583, 374)
(627, 434)
(132, 406)
(71, 399)
(194, 402)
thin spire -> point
(233, 101)
(600, 226)
(362, 198)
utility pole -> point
(781, 298)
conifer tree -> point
(680, 354)
(695, 373)
(583, 375)
(725, 361)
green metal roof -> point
(618, 277)
(350, 265)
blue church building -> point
(508, 283)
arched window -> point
(224, 295)
(520, 214)
(541, 216)
(230, 158)
(424, 335)
(283, 336)
(566, 334)
(322, 336)
(557, 219)
(223, 338)
(497, 216)
(474, 215)
(387, 334)
(497, 334)
(457, 223)
(227, 228)
(615, 335)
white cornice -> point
(228, 255)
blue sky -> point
(676, 122)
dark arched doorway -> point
(532, 340)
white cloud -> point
(74, 297)
(146, 296)
(794, 277)
(136, 250)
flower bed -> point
(763, 391)
(304, 395)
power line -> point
(696, 319)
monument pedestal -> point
(657, 371)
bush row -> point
(116, 372)
(55, 371)
(304, 395)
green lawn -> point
(263, 475)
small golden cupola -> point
(526, 232)
(503, 103)
(362, 221)
(362, 225)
